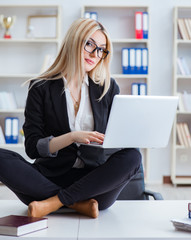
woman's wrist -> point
(72, 137)
(60, 142)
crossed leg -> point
(41, 208)
(102, 185)
(80, 196)
(32, 187)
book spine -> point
(179, 134)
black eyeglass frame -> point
(98, 49)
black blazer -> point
(46, 115)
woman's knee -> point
(7, 157)
(8, 154)
(127, 158)
(134, 159)
(136, 156)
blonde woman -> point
(67, 105)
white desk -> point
(124, 220)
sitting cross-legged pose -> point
(67, 105)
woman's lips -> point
(89, 61)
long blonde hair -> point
(69, 60)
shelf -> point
(181, 83)
(114, 7)
(130, 76)
(129, 40)
(25, 40)
(19, 110)
(181, 41)
(182, 180)
(22, 75)
(186, 113)
(183, 77)
(7, 146)
(120, 24)
(182, 147)
(29, 6)
(22, 57)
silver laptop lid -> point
(140, 121)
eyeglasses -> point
(92, 47)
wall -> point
(161, 45)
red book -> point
(139, 25)
(14, 225)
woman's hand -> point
(87, 137)
(65, 140)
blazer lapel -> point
(60, 106)
(59, 102)
(95, 92)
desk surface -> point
(124, 220)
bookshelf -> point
(120, 24)
(22, 55)
(181, 160)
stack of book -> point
(7, 101)
(184, 104)
(182, 224)
(183, 66)
(184, 28)
(183, 134)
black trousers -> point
(103, 183)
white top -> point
(83, 121)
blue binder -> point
(134, 89)
(132, 61)
(138, 60)
(15, 130)
(87, 14)
(11, 130)
(139, 89)
(144, 61)
(94, 15)
(145, 25)
(125, 60)
(8, 126)
(142, 89)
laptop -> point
(139, 122)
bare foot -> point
(43, 208)
(88, 208)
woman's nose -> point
(94, 54)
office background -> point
(161, 54)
